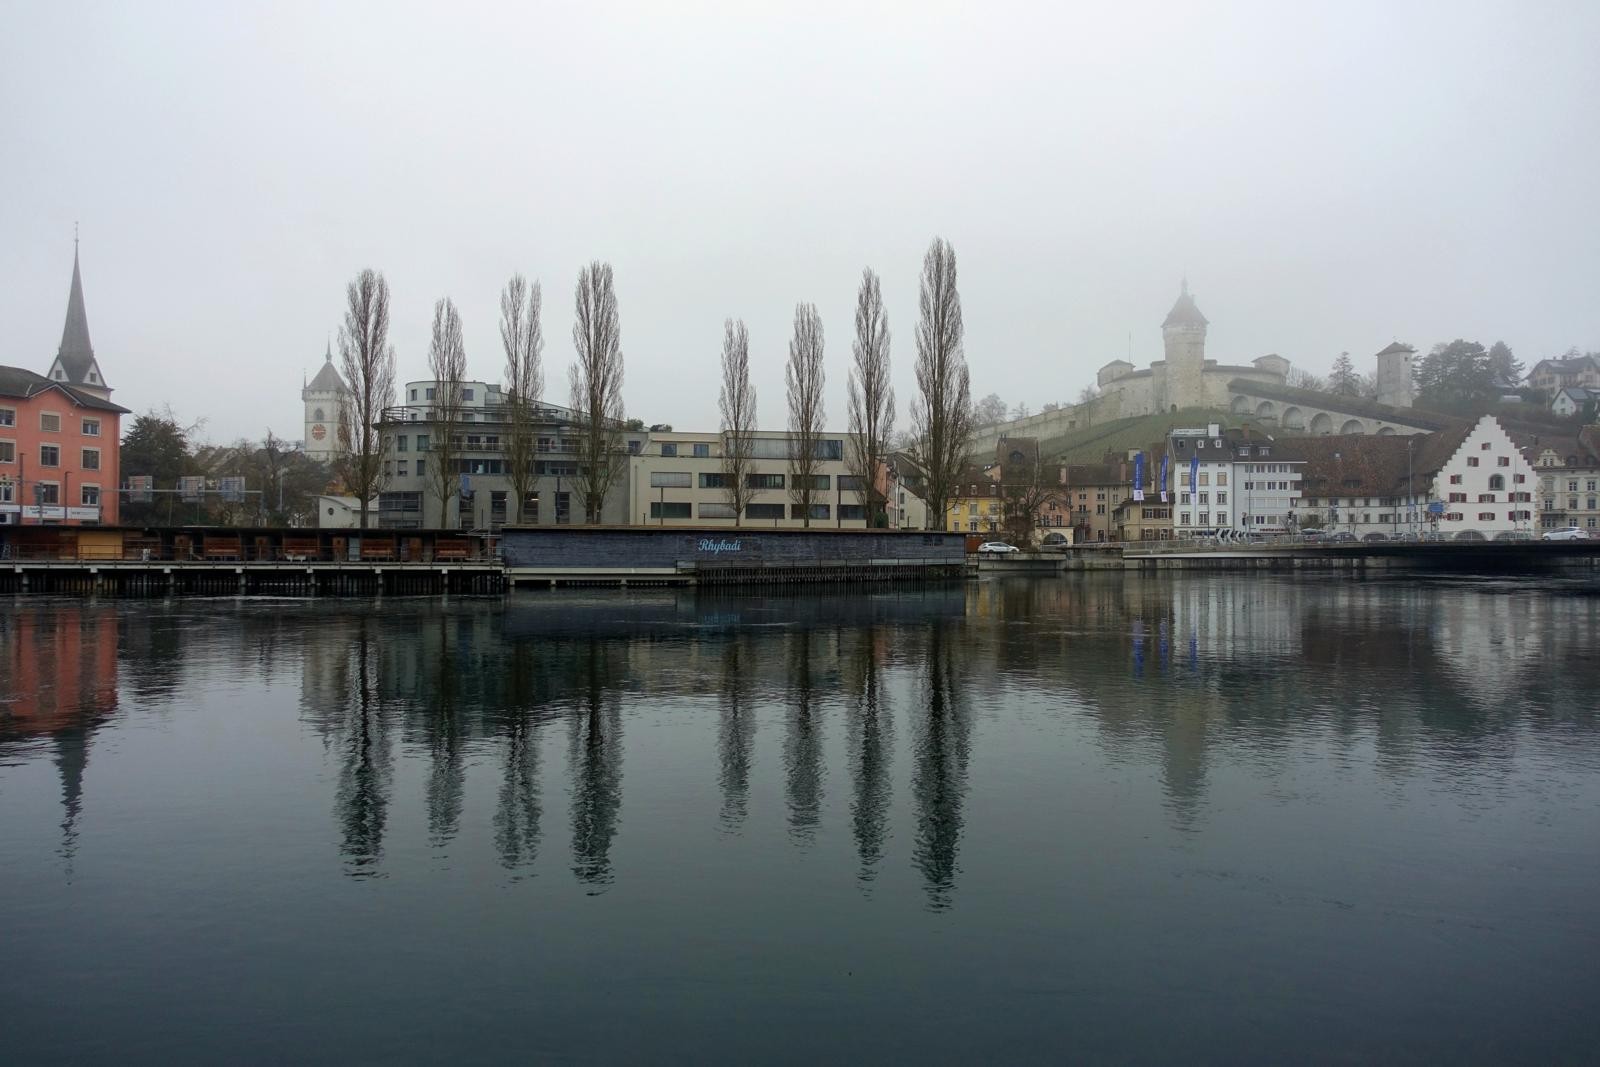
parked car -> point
(1311, 537)
(996, 548)
(1566, 533)
(1343, 536)
(1375, 536)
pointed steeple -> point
(75, 363)
(1184, 313)
(75, 346)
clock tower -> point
(321, 396)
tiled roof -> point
(17, 382)
(76, 353)
(1184, 312)
(1370, 465)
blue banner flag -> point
(1194, 472)
(1138, 477)
(1164, 463)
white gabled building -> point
(1230, 480)
(1473, 482)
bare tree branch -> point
(738, 403)
(596, 381)
(804, 378)
(871, 398)
(367, 359)
(447, 365)
(942, 413)
(522, 335)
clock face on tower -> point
(319, 431)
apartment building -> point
(677, 478)
(1235, 479)
(1567, 476)
(481, 487)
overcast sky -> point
(1328, 180)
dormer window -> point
(92, 378)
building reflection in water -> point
(58, 681)
(1178, 675)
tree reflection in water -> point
(871, 745)
(942, 740)
(736, 732)
(595, 755)
(366, 769)
(802, 745)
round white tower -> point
(1184, 333)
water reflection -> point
(1182, 676)
(871, 747)
(58, 680)
(942, 742)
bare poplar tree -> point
(871, 397)
(942, 413)
(447, 365)
(367, 359)
(804, 378)
(522, 334)
(596, 380)
(738, 417)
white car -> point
(996, 548)
(1569, 533)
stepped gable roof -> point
(1370, 465)
(21, 383)
(327, 379)
(1184, 312)
(1348, 405)
(76, 352)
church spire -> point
(76, 353)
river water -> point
(1105, 818)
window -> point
(422, 442)
(717, 511)
(714, 481)
(1183, 518)
(1497, 481)
(1205, 518)
(1519, 478)
(671, 480)
(91, 427)
(1572, 486)
(1485, 516)
(548, 444)
(89, 496)
(763, 511)
(1455, 479)
(91, 459)
(422, 468)
(635, 446)
(413, 396)
(1458, 498)
(1222, 498)
(1205, 478)
(466, 394)
(1504, 461)
(1205, 498)
(49, 456)
(669, 509)
(49, 422)
(1472, 461)
(1183, 498)
(400, 468)
(852, 483)
(1485, 446)
(428, 394)
(8, 416)
(1222, 477)
(400, 443)
(8, 494)
(702, 450)
(669, 449)
(763, 481)
(8, 451)
(1589, 485)
(852, 511)
(563, 508)
(818, 511)
(1486, 498)
(47, 493)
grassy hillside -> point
(1090, 444)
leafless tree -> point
(596, 380)
(367, 358)
(1304, 379)
(522, 335)
(447, 365)
(1025, 488)
(871, 397)
(738, 404)
(942, 413)
(804, 378)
